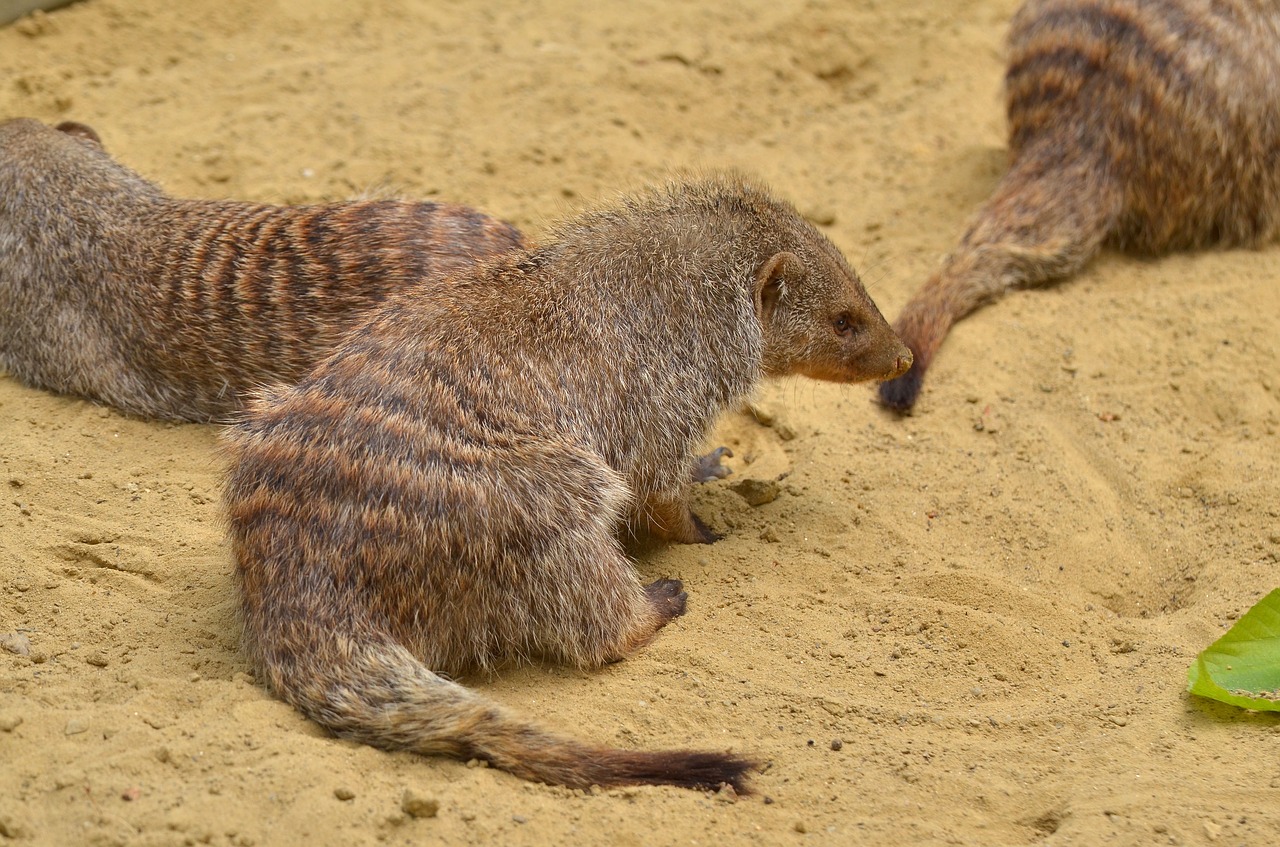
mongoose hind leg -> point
(667, 516)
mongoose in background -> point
(177, 309)
(1149, 125)
(444, 493)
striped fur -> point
(170, 308)
(445, 492)
(1149, 125)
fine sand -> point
(970, 626)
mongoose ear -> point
(775, 275)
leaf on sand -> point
(1243, 666)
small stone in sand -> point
(757, 492)
(419, 805)
(16, 642)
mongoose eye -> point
(843, 325)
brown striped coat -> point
(177, 309)
(1149, 125)
(445, 492)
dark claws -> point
(708, 467)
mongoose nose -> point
(902, 364)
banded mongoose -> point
(445, 493)
(1148, 125)
(178, 309)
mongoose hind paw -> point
(707, 536)
(668, 597)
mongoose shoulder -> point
(171, 308)
(1149, 125)
(445, 492)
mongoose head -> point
(817, 319)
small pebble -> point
(419, 805)
(75, 726)
(8, 723)
(16, 642)
(800, 826)
(837, 745)
(762, 414)
(10, 828)
(757, 492)
(156, 721)
(344, 793)
(98, 659)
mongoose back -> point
(1149, 125)
(445, 492)
(177, 309)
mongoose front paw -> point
(708, 467)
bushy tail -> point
(364, 688)
(1045, 220)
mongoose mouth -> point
(858, 370)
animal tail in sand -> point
(364, 686)
(1028, 233)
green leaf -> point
(1243, 667)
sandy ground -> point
(988, 608)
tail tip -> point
(900, 394)
(700, 771)
(724, 769)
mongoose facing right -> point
(172, 308)
(445, 492)
(1151, 125)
